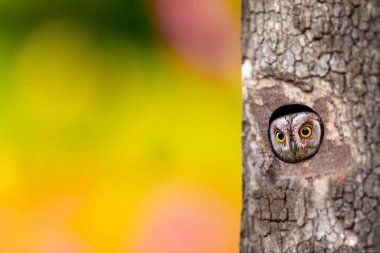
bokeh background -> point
(120, 126)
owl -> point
(296, 136)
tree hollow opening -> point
(295, 132)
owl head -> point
(296, 136)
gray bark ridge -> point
(324, 54)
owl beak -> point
(293, 146)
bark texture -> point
(324, 54)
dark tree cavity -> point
(324, 54)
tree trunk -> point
(324, 54)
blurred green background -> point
(120, 126)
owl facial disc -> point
(296, 136)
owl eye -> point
(280, 136)
(305, 132)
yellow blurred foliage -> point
(103, 136)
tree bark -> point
(324, 54)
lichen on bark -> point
(324, 54)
